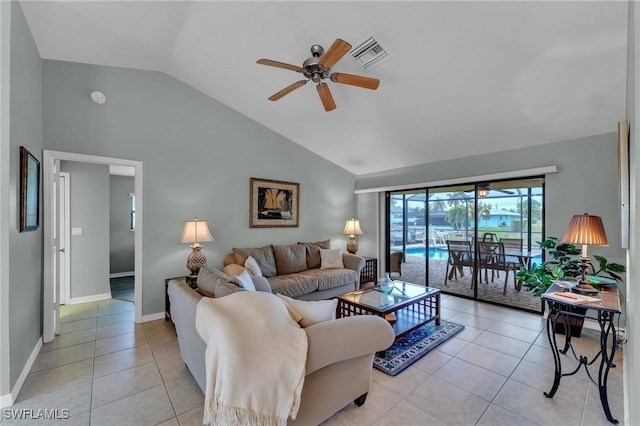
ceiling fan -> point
(317, 68)
(484, 188)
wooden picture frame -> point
(273, 204)
(29, 191)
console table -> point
(560, 313)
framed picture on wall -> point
(29, 191)
(273, 204)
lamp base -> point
(192, 280)
(196, 260)
(352, 246)
(584, 289)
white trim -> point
(153, 317)
(593, 325)
(122, 274)
(92, 298)
(469, 179)
(8, 399)
(48, 158)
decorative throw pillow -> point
(312, 312)
(330, 259)
(290, 259)
(214, 283)
(252, 266)
(245, 281)
(313, 252)
(225, 288)
(263, 256)
(233, 269)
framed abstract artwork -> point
(29, 191)
(273, 204)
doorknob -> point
(62, 250)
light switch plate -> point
(76, 231)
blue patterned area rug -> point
(410, 348)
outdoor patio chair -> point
(491, 257)
(395, 262)
(459, 257)
(516, 244)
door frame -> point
(48, 161)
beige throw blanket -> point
(255, 359)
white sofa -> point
(339, 359)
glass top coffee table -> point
(412, 305)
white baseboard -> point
(92, 298)
(122, 274)
(593, 325)
(9, 399)
(153, 317)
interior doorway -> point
(52, 245)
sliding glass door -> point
(442, 232)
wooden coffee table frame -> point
(410, 313)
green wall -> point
(587, 180)
(25, 256)
(89, 196)
(121, 238)
(632, 347)
(5, 149)
(198, 156)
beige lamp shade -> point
(196, 232)
(352, 227)
(586, 230)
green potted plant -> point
(564, 262)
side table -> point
(606, 311)
(167, 302)
(370, 271)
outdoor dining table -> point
(524, 257)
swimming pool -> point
(434, 253)
(442, 254)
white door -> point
(64, 238)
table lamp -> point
(352, 228)
(195, 232)
(586, 230)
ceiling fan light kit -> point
(317, 68)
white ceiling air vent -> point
(369, 53)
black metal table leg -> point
(551, 335)
(607, 328)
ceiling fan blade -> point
(287, 90)
(355, 80)
(326, 97)
(279, 65)
(338, 49)
(504, 191)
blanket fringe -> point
(219, 414)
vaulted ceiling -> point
(463, 78)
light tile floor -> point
(106, 370)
